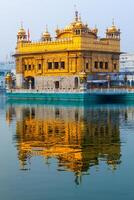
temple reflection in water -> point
(77, 137)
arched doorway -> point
(29, 82)
(76, 82)
(57, 84)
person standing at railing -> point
(125, 80)
(108, 79)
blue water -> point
(66, 151)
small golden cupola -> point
(113, 32)
(95, 30)
(21, 35)
(79, 27)
(46, 35)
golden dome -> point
(79, 24)
(46, 34)
(69, 27)
(21, 31)
(95, 30)
(113, 28)
(8, 76)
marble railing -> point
(44, 90)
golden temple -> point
(65, 61)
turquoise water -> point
(66, 151)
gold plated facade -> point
(76, 49)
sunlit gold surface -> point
(76, 50)
(78, 138)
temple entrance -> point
(57, 84)
(29, 82)
(76, 82)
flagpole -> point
(28, 35)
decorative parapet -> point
(44, 46)
(101, 45)
(68, 44)
(42, 43)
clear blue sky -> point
(35, 14)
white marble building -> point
(127, 62)
(127, 66)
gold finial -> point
(113, 22)
(57, 30)
(21, 29)
(46, 28)
(76, 14)
(79, 17)
(46, 34)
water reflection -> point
(78, 137)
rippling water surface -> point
(66, 151)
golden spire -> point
(21, 35)
(57, 30)
(46, 35)
(95, 30)
(46, 28)
(113, 28)
(76, 14)
(113, 23)
(21, 30)
(79, 17)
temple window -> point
(62, 65)
(49, 65)
(106, 65)
(56, 65)
(39, 66)
(25, 67)
(87, 65)
(101, 65)
(115, 66)
(77, 32)
(96, 65)
(29, 67)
